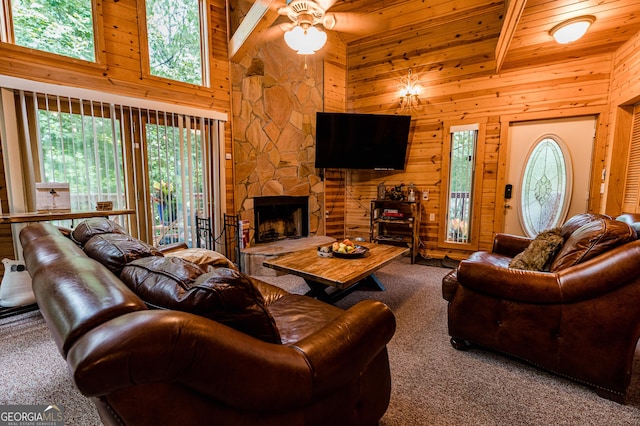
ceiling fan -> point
(301, 32)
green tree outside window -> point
(174, 36)
(64, 27)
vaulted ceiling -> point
(522, 40)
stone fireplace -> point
(280, 217)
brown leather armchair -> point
(580, 320)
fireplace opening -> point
(280, 217)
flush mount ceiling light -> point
(301, 34)
(572, 29)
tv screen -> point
(361, 141)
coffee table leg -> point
(373, 282)
(319, 291)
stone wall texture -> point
(276, 94)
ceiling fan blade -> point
(284, 10)
(353, 23)
(272, 33)
(286, 26)
(325, 4)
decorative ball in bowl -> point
(325, 251)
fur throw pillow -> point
(540, 253)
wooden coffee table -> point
(332, 278)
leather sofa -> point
(196, 344)
(580, 319)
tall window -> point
(174, 34)
(64, 27)
(175, 155)
(462, 159)
(77, 142)
(153, 162)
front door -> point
(539, 153)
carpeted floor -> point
(432, 383)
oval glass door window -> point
(546, 187)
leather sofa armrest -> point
(510, 245)
(508, 283)
(168, 346)
(339, 351)
(164, 346)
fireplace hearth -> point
(280, 217)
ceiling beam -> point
(512, 17)
(258, 19)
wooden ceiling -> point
(523, 39)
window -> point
(176, 173)
(63, 27)
(77, 142)
(160, 164)
(175, 31)
(545, 187)
(462, 159)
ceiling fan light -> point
(305, 42)
(572, 29)
(294, 37)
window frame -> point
(205, 42)
(7, 40)
(476, 192)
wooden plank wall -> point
(335, 79)
(122, 71)
(625, 92)
(467, 91)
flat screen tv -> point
(361, 141)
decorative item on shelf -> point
(382, 191)
(411, 195)
(571, 29)
(52, 197)
(102, 206)
(409, 90)
(397, 193)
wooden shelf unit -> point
(399, 226)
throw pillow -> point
(540, 252)
(204, 257)
(94, 226)
(222, 294)
(15, 289)
(116, 250)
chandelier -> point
(409, 90)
